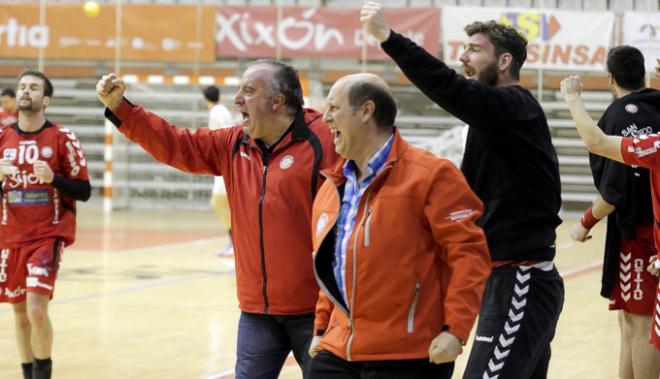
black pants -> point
(519, 313)
(325, 365)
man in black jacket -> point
(511, 164)
(624, 196)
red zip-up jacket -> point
(270, 195)
(416, 261)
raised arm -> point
(201, 151)
(597, 142)
(481, 106)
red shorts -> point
(32, 267)
(655, 325)
(634, 289)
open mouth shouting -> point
(470, 72)
(337, 135)
(245, 117)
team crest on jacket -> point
(286, 162)
(631, 108)
(46, 152)
(321, 223)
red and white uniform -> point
(36, 220)
(7, 118)
(644, 151)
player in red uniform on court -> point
(624, 197)
(9, 111)
(43, 172)
(640, 151)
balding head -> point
(364, 87)
(365, 77)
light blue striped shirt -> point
(353, 192)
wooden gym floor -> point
(144, 295)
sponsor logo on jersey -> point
(22, 179)
(642, 153)
(46, 152)
(631, 108)
(634, 131)
(9, 154)
(75, 168)
(36, 270)
(28, 197)
(19, 291)
(286, 162)
(4, 257)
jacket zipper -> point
(318, 279)
(351, 307)
(367, 228)
(266, 156)
(411, 312)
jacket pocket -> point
(411, 312)
(367, 227)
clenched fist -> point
(373, 21)
(43, 172)
(444, 348)
(571, 86)
(7, 168)
(110, 90)
(579, 233)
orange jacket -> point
(270, 196)
(416, 261)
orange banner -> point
(255, 32)
(149, 32)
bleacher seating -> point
(139, 179)
(421, 121)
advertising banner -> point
(561, 40)
(254, 32)
(642, 30)
(71, 33)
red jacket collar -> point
(399, 146)
(299, 129)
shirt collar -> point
(376, 162)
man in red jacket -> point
(401, 263)
(270, 165)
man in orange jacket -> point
(397, 254)
(270, 165)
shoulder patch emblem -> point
(631, 108)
